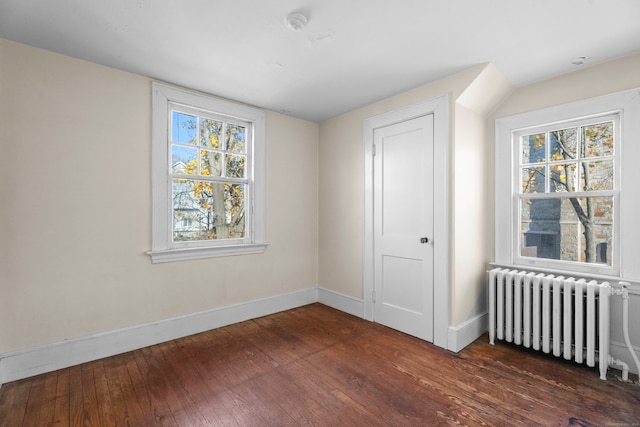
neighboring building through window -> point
(208, 176)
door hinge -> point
(373, 296)
(374, 149)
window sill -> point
(210, 252)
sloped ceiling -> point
(351, 53)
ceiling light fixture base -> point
(295, 21)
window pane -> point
(598, 140)
(210, 163)
(235, 166)
(540, 222)
(210, 133)
(184, 160)
(597, 175)
(533, 148)
(183, 128)
(563, 177)
(236, 138)
(563, 144)
(207, 211)
(235, 210)
(533, 179)
(192, 210)
(567, 229)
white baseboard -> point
(467, 332)
(50, 357)
(342, 302)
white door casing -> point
(403, 225)
(439, 108)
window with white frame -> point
(560, 175)
(208, 176)
(566, 192)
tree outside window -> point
(209, 178)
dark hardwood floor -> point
(317, 366)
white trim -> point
(439, 107)
(342, 302)
(627, 103)
(199, 253)
(467, 332)
(162, 246)
(620, 351)
(62, 354)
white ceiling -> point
(351, 53)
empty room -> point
(285, 212)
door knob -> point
(424, 240)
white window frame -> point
(163, 248)
(627, 230)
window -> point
(566, 191)
(208, 176)
(561, 172)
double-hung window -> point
(208, 176)
(564, 178)
(566, 199)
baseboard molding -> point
(467, 332)
(619, 350)
(50, 357)
(342, 302)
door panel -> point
(403, 214)
(406, 293)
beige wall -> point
(75, 194)
(607, 78)
(471, 221)
(473, 231)
(602, 79)
(76, 207)
(341, 183)
(477, 97)
(342, 192)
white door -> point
(403, 226)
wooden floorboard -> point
(316, 366)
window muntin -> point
(566, 193)
(210, 176)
